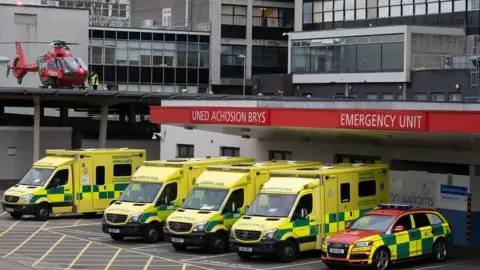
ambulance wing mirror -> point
(399, 228)
(304, 213)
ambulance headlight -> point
(269, 235)
(136, 217)
(200, 227)
(363, 244)
(26, 198)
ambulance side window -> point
(367, 188)
(305, 202)
(434, 219)
(404, 221)
(59, 179)
(238, 196)
(122, 170)
(345, 192)
(170, 190)
(100, 175)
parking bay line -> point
(148, 263)
(133, 251)
(113, 259)
(49, 250)
(210, 256)
(26, 240)
(9, 228)
(293, 265)
(239, 266)
(79, 255)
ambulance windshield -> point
(272, 205)
(138, 192)
(372, 223)
(205, 199)
(36, 177)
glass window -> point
(140, 192)
(280, 155)
(395, 11)
(420, 96)
(185, 150)
(459, 5)
(59, 179)
(36, 177)
(371, 96)
(122, 170)
(109, 56)
(272, 205)
(420, 9)
(307, 12)
(404, 221)
(170, 190)
(421, 220)
(229, 151)
(349, 4)
(349, 15)
(100, 175)
(432, 8)
(345, 192)
(234, 14)
(434, 219)
(204, 59)
(388, 97)
(473, 5)
(360, 14)
(145, 57)
(392, 56)
(237, 197)
(438, 97)
(446, 7)
(338, 5)
(455, 97)
(372, 223)
(205, 199)
(306, 202)
(367, 188)
(368, 58)
(407, 10)
(230, 53)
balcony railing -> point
(120, 22)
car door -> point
(230, 216)
(59, 190)
(403, 246)
(425, 241)
(303, 228)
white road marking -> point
(151, 246)
(230, 265)
(293, 265)
(209, 256)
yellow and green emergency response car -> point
(298, 208)
(157, 189)
(73, 181)
(219, 199)
(389, 234)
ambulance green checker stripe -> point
(53, 191)
(402, 248)
(155, 212)
(104, 193)
(342, 217)
(214, 223)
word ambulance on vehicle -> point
(157, 189)
(72, 181)
(298, 208)
(390, 234)
(220, 197)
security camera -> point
(285, 34)
(184, 90)
(156, 135)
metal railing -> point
(109, 21)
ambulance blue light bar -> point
(395, 206)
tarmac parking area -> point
(74, 242)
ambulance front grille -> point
(337, 247)
(247, 235)
(11, 199)
(114, 218)
(180, 226)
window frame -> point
(234, 151)
(232, 54)
(189, 148)
(370, 194)
(119, 168)
(395, 224)
(342, 200)
(237, 17)
(97, 168)
(284, 154)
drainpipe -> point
(187, 8)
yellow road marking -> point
(71, 226)
(113, 259)
(26, 240)
(9, 228)
(48, 251)
(76, 222)
(148, 263)
(130, 250)
(184, 266)
(79, 255)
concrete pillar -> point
(131, 117)
(64, 114)
(102, 136)
(37, 113)
(347, 92)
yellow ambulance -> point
(298, 208)
(72, 181)
(219, 199)
(157, 189)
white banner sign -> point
(409, 187)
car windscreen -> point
(372, 223)
(36, 177)
(205, 199)
(272, 205)
(138, 192)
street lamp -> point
(244, 70)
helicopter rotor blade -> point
(24, 42)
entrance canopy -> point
(408, 124)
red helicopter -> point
(57, 68)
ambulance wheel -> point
(153, 233)
(179, 247)
(381, 259)
(244, 255)
(219, 243)
(440, 250)
(16, 215)
(42, 212)
(288, 253)
(117, 237)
